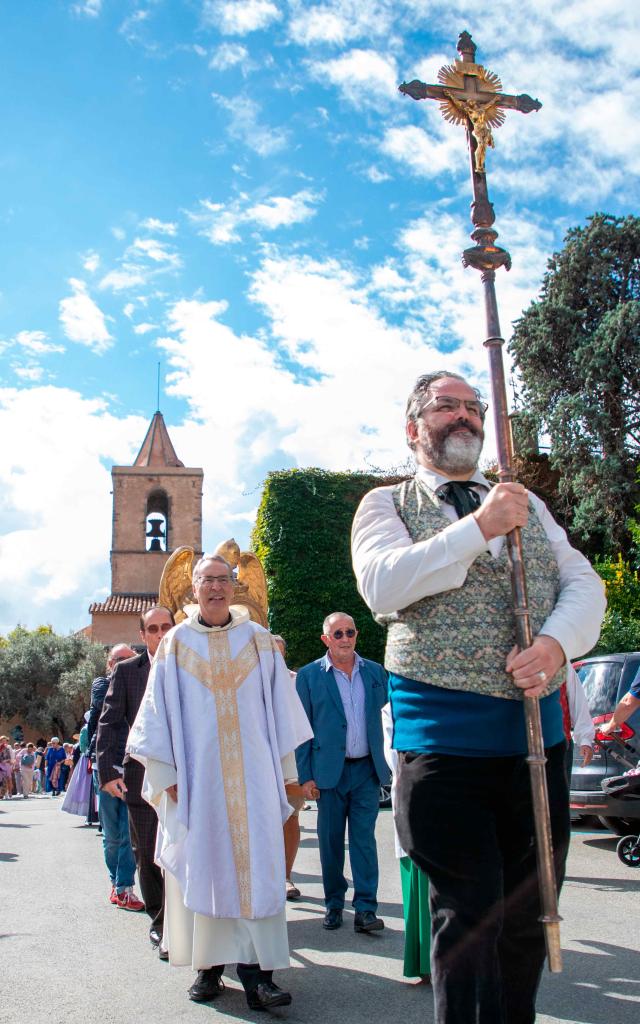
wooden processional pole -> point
(469, 94)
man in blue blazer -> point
(343, 766)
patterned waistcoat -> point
(460, 638)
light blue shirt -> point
(353, 700)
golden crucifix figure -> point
(469, 94)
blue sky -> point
(237, 190)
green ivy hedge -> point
(302, 537)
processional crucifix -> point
(469, 94)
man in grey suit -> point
(343, 766)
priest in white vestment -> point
(217, 718)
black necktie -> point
(461, 495)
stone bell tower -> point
(157, 506)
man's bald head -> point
(121, 652)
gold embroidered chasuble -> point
(219, 710)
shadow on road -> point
(608, 842)
(308, 933)
(332, 995)
(595, 986)
(608, 885)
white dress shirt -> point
(582, 726)
(392, 572)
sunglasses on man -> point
(339, 633)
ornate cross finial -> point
(469, 94)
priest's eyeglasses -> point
(444, 403)
(209, 581)
(339, 633)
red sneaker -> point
(113, 896)
(127, 900)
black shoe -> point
(366, 921)
(265, 995)
(207, 986)
(155, 937)
(332, 919)
(163, 954)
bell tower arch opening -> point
(157, 521)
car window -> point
(600, 682)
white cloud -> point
(119, 233)
(364, 77)
(323, 317)
(424, 154)
(82, 319)
(156, 251)
(339, 21)
(91, 8)
(91, 261)
(228, 55)
(36, 343)
(127, 276)
(141, 262)
(132, 25)
(29, 373)
(220, 222)
(318, 26)
(160, 227)
(245, 125)
(281, 211)
(239, 17)
(144, 328)
(54, 552)
(217, 222)
(375, 175)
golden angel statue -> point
(249, 588)
(176, 582)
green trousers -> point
(417, 920)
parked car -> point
(606, 679)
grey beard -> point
(456, 454)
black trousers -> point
(250, 975)
(468, 823)
(143, 825)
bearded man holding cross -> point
(430, 560)
(218, 716)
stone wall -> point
(110, 629)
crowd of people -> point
(204, 747)
(30, 769)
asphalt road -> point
(68, 955)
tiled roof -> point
(157, 449)
(124, 604)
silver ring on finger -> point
(542, 676)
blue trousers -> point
(354, 803)
(118, 854)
